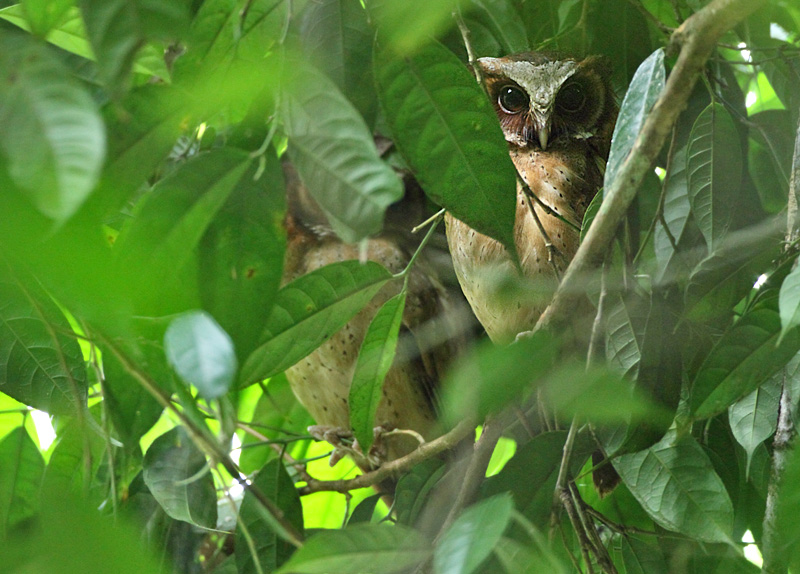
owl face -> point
(547, 100)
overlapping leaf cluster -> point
(141, 304)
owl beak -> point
(543, 133)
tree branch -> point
(696, 39)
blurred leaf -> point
(713, 165)
(74, 463)
(746, 356)
(490, 377)
(177, 474)
(502, 19)
(308, 311)
(41, 365)
(413, 488)
(118, 28)
(753, 418)
(156, 247)
(676, 483)
(338, 40)
(364, 510)
(470, 539)
(335, 155)
(201, 352)
(626, 43)
(769, 156)
(44, 15)
(787, 527)
(241, 256)
(407, 26)
(541, 20)
(789, 301)
(641, 557)
(645, 87)
(360, 549)
(50, 130)
(20, 480)
(519, 559)
(271, 551)
(374, 361)
(444, 126)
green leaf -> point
(308, 311)
(335, 155)
(374, 360)
(270, 550)
(714, 167)
(641, 557)
(44, 15)
(50, 130)
(41, 365)
(676, 484)
(504, 22)
(413, 488)
(745, 357)
(517, 558)
(591, 213)
(406, 26)
(472, 537)
(446, 129)
(359, 549)
(118, 28)
(789, 301)
(241, 256)
(769, 156)
(645, 87)
(787, 527)
(624, 332)
(159, 243)
(20, 480)
(754, 418)
(490, 377)
(338, 40)
(201, 352)
(177, 474)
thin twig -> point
(552, 252)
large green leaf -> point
(490, 377)
(335, 155)
(338, 40)
(676, 484)
(744, 358)
(241, 256)
(308, 311)
(714, 167)
(156, 247)
(51, 133)
(174, 473)
(44, 15)
(444, 126)
(504, 22)
(645, 87)
(405, 26)
(118, 28)
(374, 361)
(41, 365)
(267, 547)
(20, 480)
(754, 417)
(201, 352)
(470, 539)
(359, 549)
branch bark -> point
(696, 39)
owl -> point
(430, 335)
(557, 114)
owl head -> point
(547, 100)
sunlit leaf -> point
(713, 165)
(645, 87)
(334, 153)
(374, 360)
(676, 483)
(40, 364)
(444, 126)
(174, 473)
(44, 15)
(270, 550)
(744, 358)
(308, 311)
(20, 479)
(50, 130)
(473, 535)
(360, 549)
(202, 353)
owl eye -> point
(512, 99)
(571, 98)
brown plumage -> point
(557, 114)
(428, 339)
